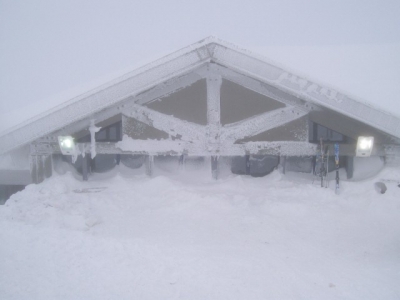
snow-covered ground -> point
(185, 236)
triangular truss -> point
(213, 60)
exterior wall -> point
(6, 191)
(141, 131)
(207, 115)
(18, 177)
(239, 103)
(350, 127)
(296, 130)
(189, 104)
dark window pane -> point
(113, 133)
(101, 135)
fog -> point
(53, 50)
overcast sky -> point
(47, 47)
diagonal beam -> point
(166, 88)
(259, 87)
(256, 67)
(184, 130)
(104, 98)
(261, 123)
(161, 90)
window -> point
(318, 131)
(110, 133)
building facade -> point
(210, 100)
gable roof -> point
(182, 62)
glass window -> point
(318, 131)
(101, 135)
(113, 133)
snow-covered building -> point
(209, 100)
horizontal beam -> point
(175, 147)
(272, 148)
(261, 123)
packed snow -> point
(182, 235)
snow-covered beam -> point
(270, 148)
(161, 90)
(261, 123)
(176, 147)
(130, 146)
(127, 146)
(150, 147)
(166, 88)
(100, 99)
(184, 130)
(258, 68)
(258, 86)
(214, 82)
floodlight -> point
(364, 146)
(67, 145)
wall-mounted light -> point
(364, 146)
(67, 145)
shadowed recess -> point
(239, 103)
(296, 130)
(189, 104)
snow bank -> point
(185, 236)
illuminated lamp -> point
(364, 146)
(67, 145)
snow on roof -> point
(181, 62)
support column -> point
(247, 164)
(182, 162)
(214, 167)
(85, 173)
(349, 161)
(214, 82)
(48, 165)
(283, 162)
(149, 163)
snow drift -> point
(127, 236)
